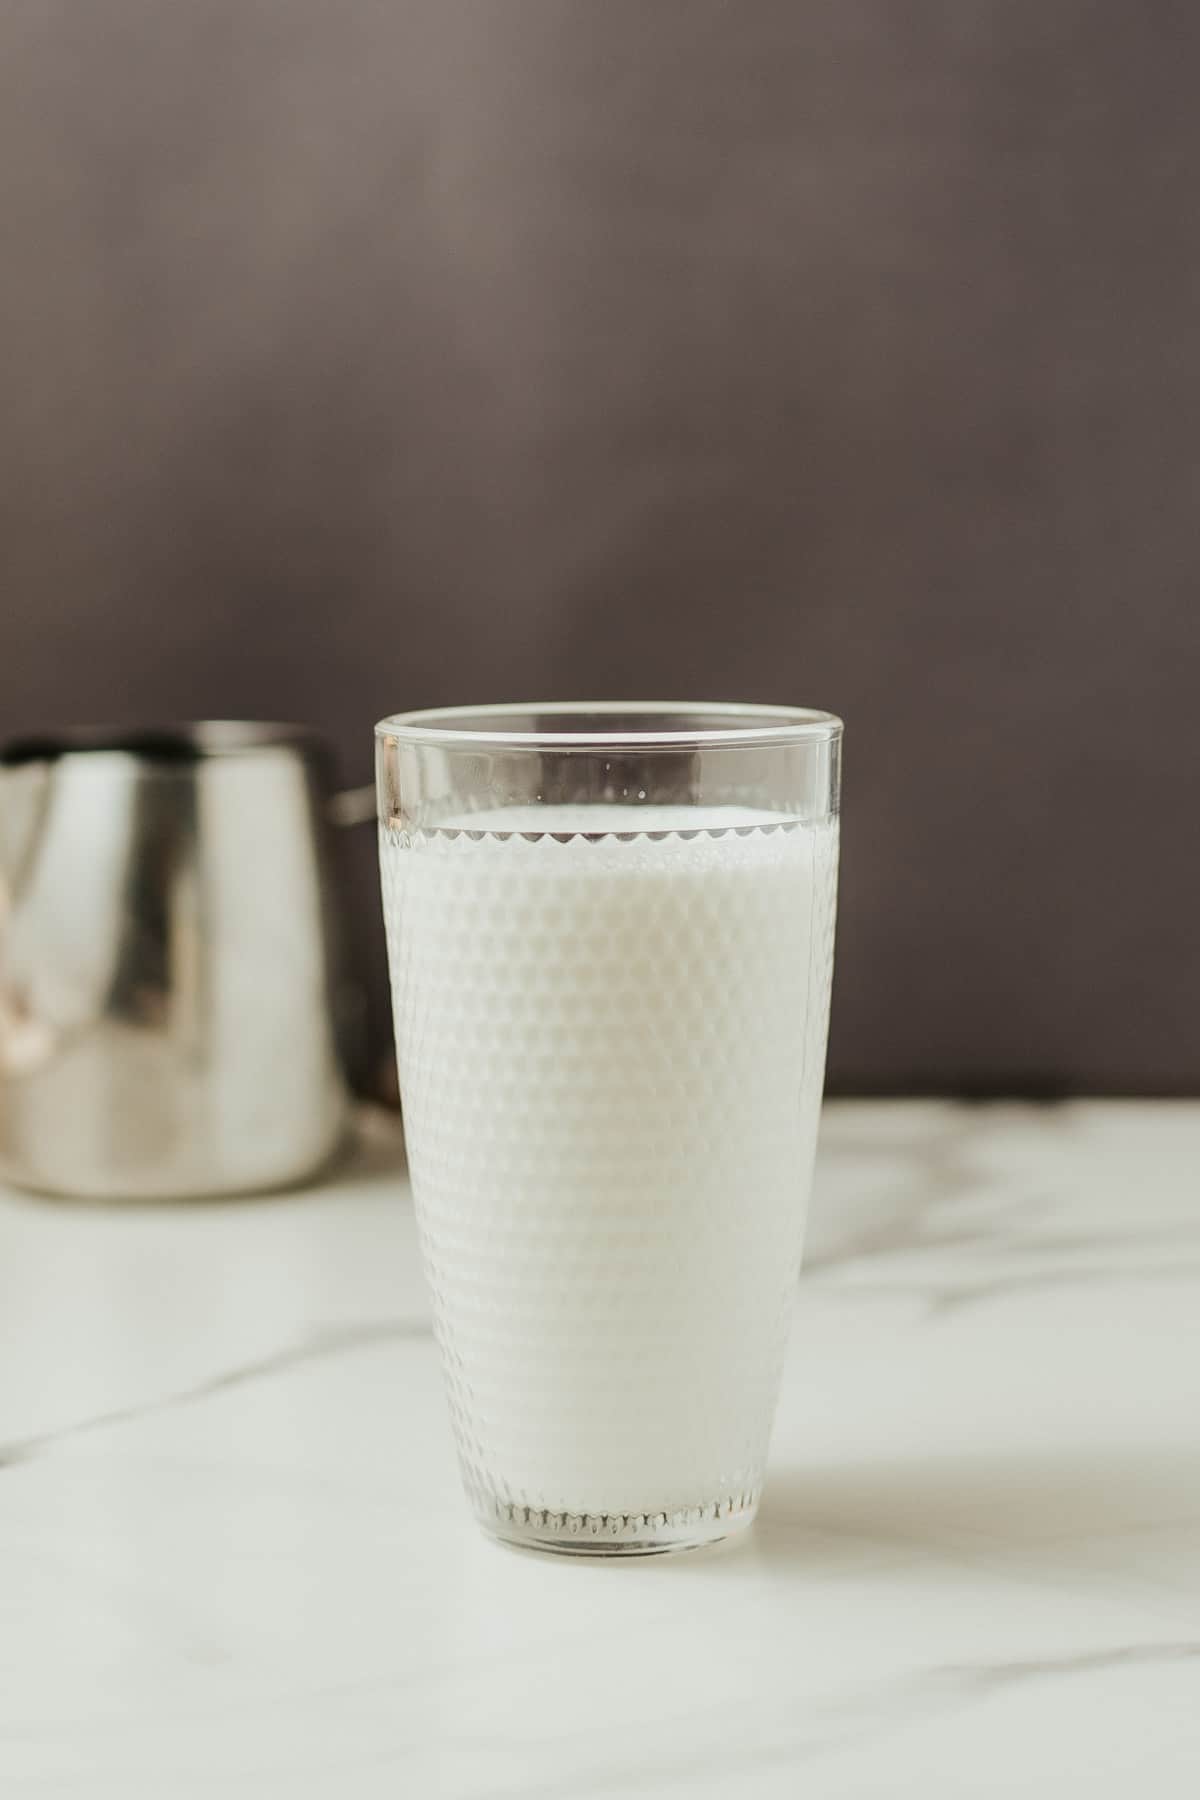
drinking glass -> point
(610, 935)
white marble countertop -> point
(234, 1561)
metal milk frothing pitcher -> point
(172, 989)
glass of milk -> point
(610, 933)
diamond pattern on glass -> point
(611, 1053)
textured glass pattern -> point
(611, 1054)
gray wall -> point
(359, 356)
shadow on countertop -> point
(1055, 1511)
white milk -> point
(611, 1056)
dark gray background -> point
(359, 356)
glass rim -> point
(727, 724)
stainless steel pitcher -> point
(171, 978)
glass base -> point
(619, 1534)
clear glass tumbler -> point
(610, 931)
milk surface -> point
(611, 1052)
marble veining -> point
(234, 1558)
(327, 1342)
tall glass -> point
(610, 931)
